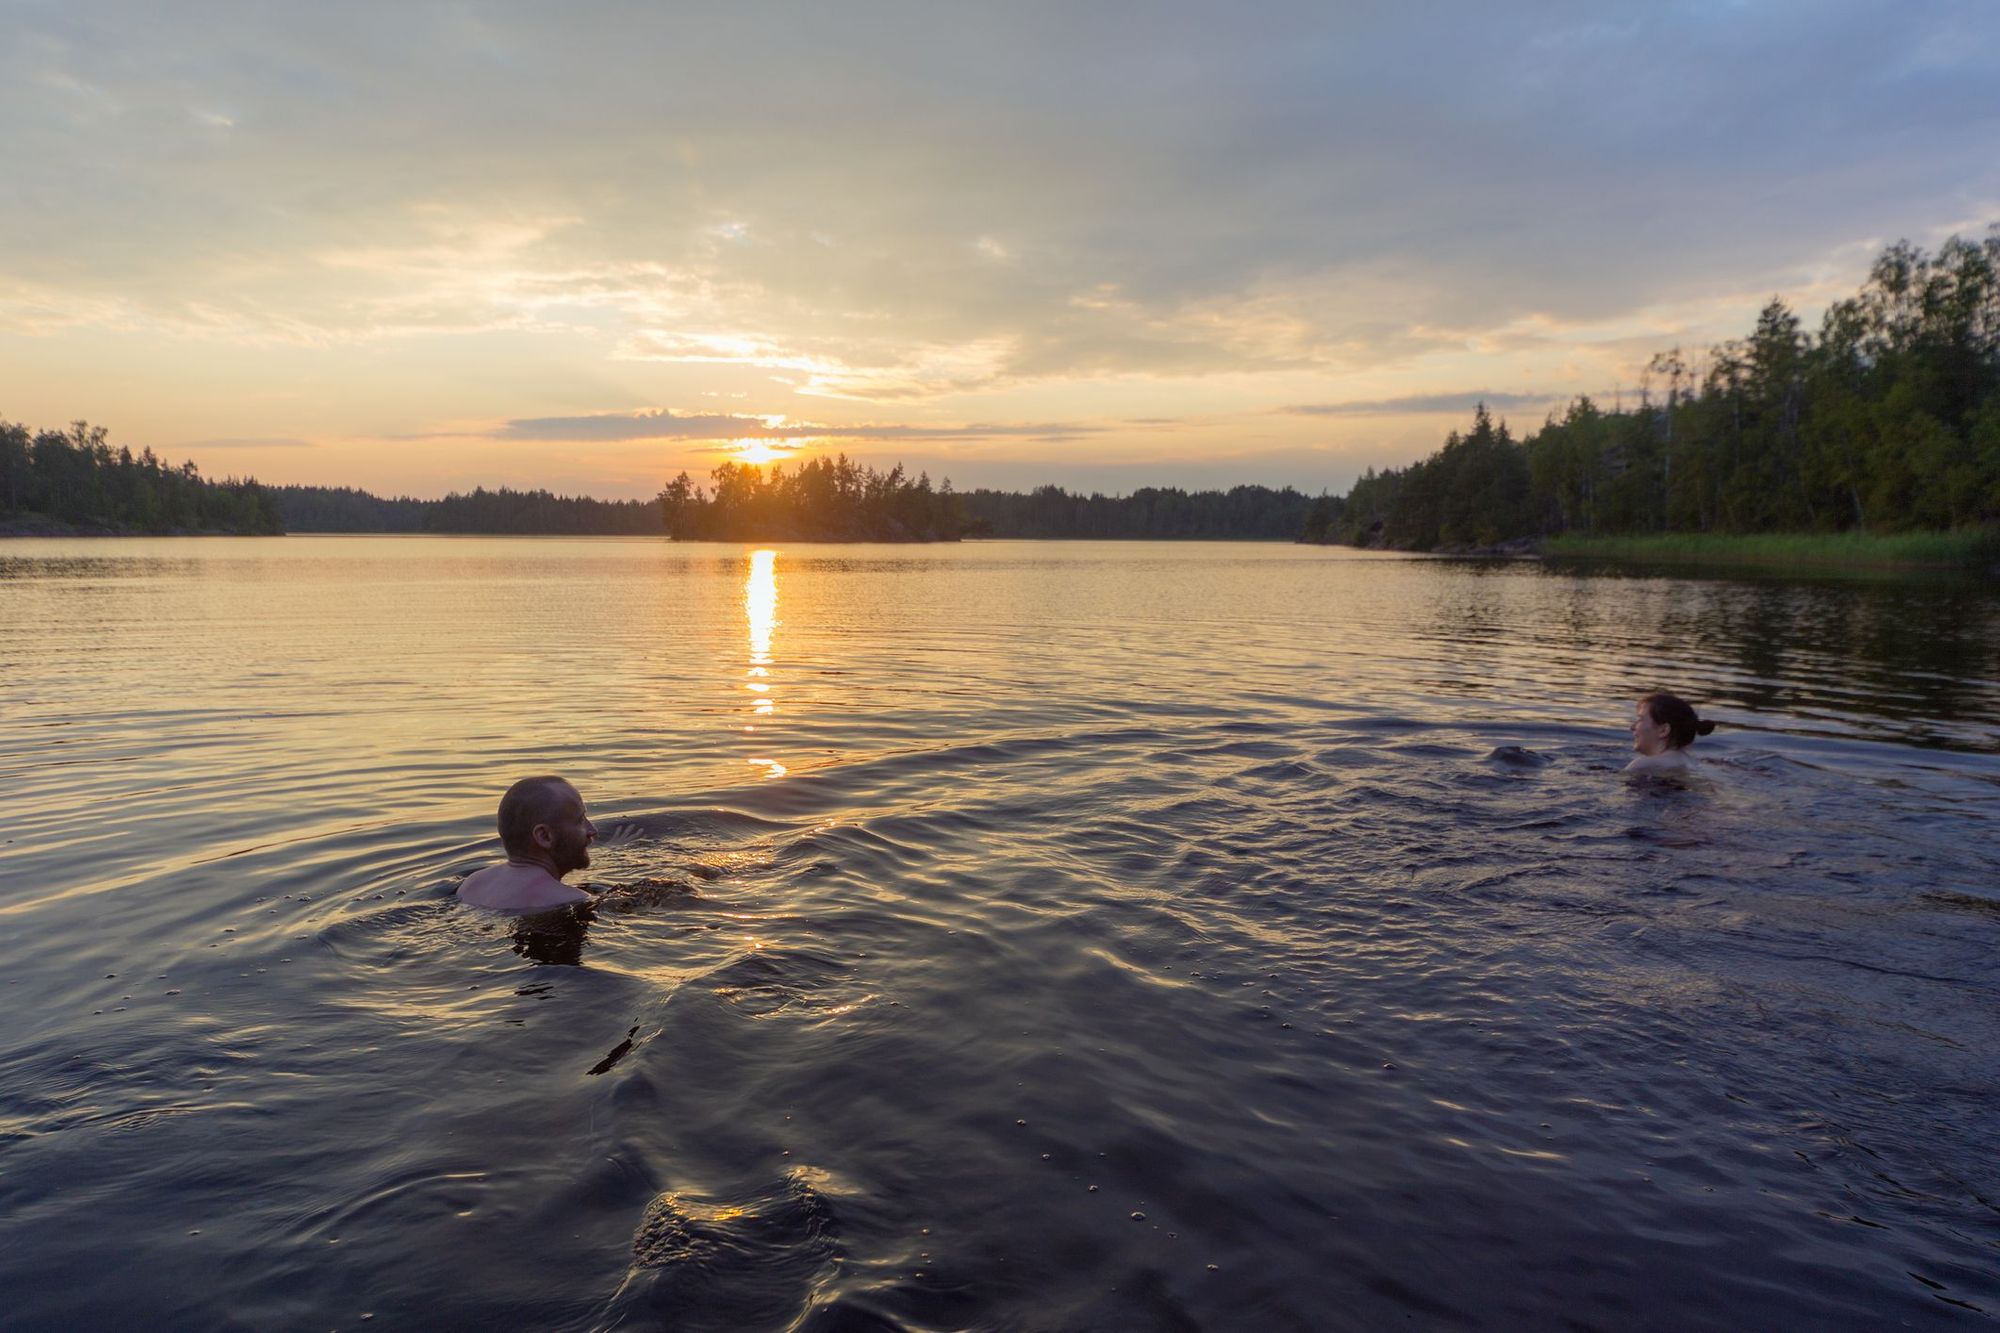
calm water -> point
(1076, 936)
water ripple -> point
(1198, 937)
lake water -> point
(1074, 936)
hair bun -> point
(1703, 727)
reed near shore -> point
(1960, 548)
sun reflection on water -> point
(760, 608)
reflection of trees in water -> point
(1904, 650)
(1919, 653)
(66, 567)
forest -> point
(503, 511)
(835, 499)
(1155, 513)
(1886, 420)
(821, 499)
(76, 478)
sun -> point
(761, 451)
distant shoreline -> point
(37, 526)
(1966, 549)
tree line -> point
(1151, 512)
(836, 499)
(1887, 420)
(502, 512)
(75, 477)
(821, 499)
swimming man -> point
(547, 834)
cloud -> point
(1189, 164)
(654, 425)
(1012, 213)
(833, 369)
(1461, 401)
(665, 424)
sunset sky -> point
(416, 247)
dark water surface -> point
(1074, 936)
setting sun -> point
(762, 451)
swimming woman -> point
(1663, 726)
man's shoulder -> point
(517, 889)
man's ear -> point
(544, 836)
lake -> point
(1034, 936)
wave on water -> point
(1274, 979)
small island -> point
(821, 500)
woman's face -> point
(1648, 737)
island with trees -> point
(820, 500)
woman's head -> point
(1663, 722)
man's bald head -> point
(532, 801)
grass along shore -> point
(1963, 548)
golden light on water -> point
(760, 609)
(760, 606)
